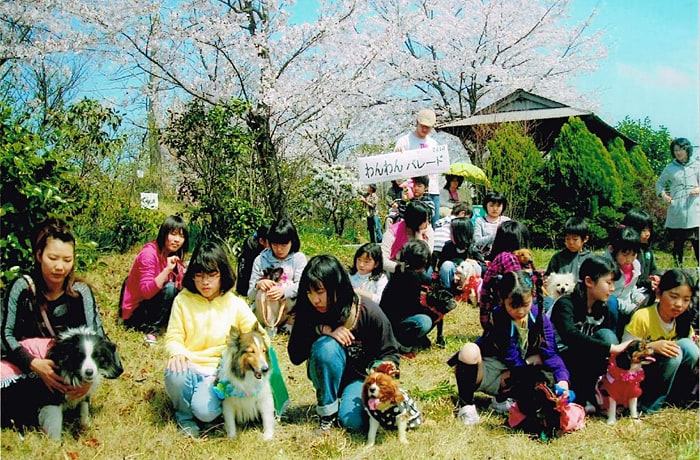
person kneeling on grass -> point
(340, 337)
(521, 335)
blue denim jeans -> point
(447, 273)
(326, 367)
(192, 396)
(412, 328)
(620, 319)
(670, 378)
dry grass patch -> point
(132, 418)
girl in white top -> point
(367, 273)
(485, 227)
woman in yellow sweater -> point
(200, 321)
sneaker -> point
(326, 422)
(188, 428)
(468, 415)
(501, 407)
(590, 408)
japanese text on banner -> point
(398, 165)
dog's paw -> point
(611, 421)
(403, 440)
(369, 445)
(268, 435)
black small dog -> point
(530, 387)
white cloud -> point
(657, 77)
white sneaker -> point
(468, 415)
(501, 407)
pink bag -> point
(573, 417)
(37, 347)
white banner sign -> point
(398, 165)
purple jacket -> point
(503, 339)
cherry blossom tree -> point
(355, 76)
(458, 54)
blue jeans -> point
(412, 328)
(326, 367)
(447, 273)
(436, 213)
(620, 319)
(374, 227)
(192, 396)
(671, 378)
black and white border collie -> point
(83, 357)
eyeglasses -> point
(207, 276)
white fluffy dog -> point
(558, 284)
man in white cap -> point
(420, 139)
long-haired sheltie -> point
(244, 380)
(83, 357)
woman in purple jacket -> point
(521, 335)
(155, 279)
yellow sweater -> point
(199, 328)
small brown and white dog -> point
(526, 259)
(621, 384)
(387, 404)
(243, 382)
(558, 284)
(271, 313)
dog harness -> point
(386, 414)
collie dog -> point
(244, 373)
(83, 357)
(621, 384)
(387, 404)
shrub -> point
(514, 164)
(33, 179)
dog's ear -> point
(624, 360)
(111, 362)
(388, 368)
(234, 336)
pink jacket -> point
(141, 283)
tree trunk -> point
(259, 124)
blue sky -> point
(652, 63)
(651, 69)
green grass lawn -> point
(132, 418)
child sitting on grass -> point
(521, 335)
(401, 300)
